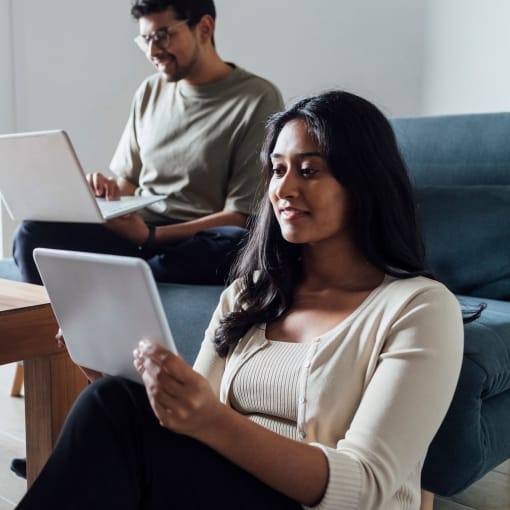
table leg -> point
(52, 384)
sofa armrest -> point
(474, 438)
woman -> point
(327, 367)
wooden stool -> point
(17, 383)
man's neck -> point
(212, 69)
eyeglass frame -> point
(144, 41)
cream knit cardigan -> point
(373, 390)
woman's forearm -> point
(296, 469)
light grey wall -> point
(76, 68)
(6, 109)
(467, 57)
(6, 77)
(372, 48)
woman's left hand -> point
(181, 398)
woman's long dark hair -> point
(361, 150)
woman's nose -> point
(288, 185)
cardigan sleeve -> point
(402, 406)
(208, 363)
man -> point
(193, 134)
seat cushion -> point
(189, 309)
(474, 438)
(467, 232)
(8, 270)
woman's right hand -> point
(181, 398)
(103, 186)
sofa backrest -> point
(456, 149)
(460, 168)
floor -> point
(490, 493)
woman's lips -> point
(290, 213)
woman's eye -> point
(278, 171)
(308, 172)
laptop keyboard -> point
(125, 205)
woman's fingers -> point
(173, 364)
(181, 398)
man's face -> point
(172, 46)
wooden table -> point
(52, 380)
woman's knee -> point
(114, 397)
(110, 390)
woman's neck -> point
(338, 264)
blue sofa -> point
(460, 167)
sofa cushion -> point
(8, 270)
(467, 234)
(189, 309)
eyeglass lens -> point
(160, 38)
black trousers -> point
(113, 454)
(204, 258)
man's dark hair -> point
(192, 10)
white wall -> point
(7, 119)
(372, 48)
(6, 77)
(76, 68)
(467, 57)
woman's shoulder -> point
(230, 295)
(418, 290)
(414, 284)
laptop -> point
(42, 179)
(104, 305)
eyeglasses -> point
(161, 37)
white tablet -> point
(104, 304)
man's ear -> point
(205, 28)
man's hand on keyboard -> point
(103, 186)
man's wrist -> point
(150, 242)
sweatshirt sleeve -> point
(402, 405)
(126, 161)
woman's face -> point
(309, 203)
